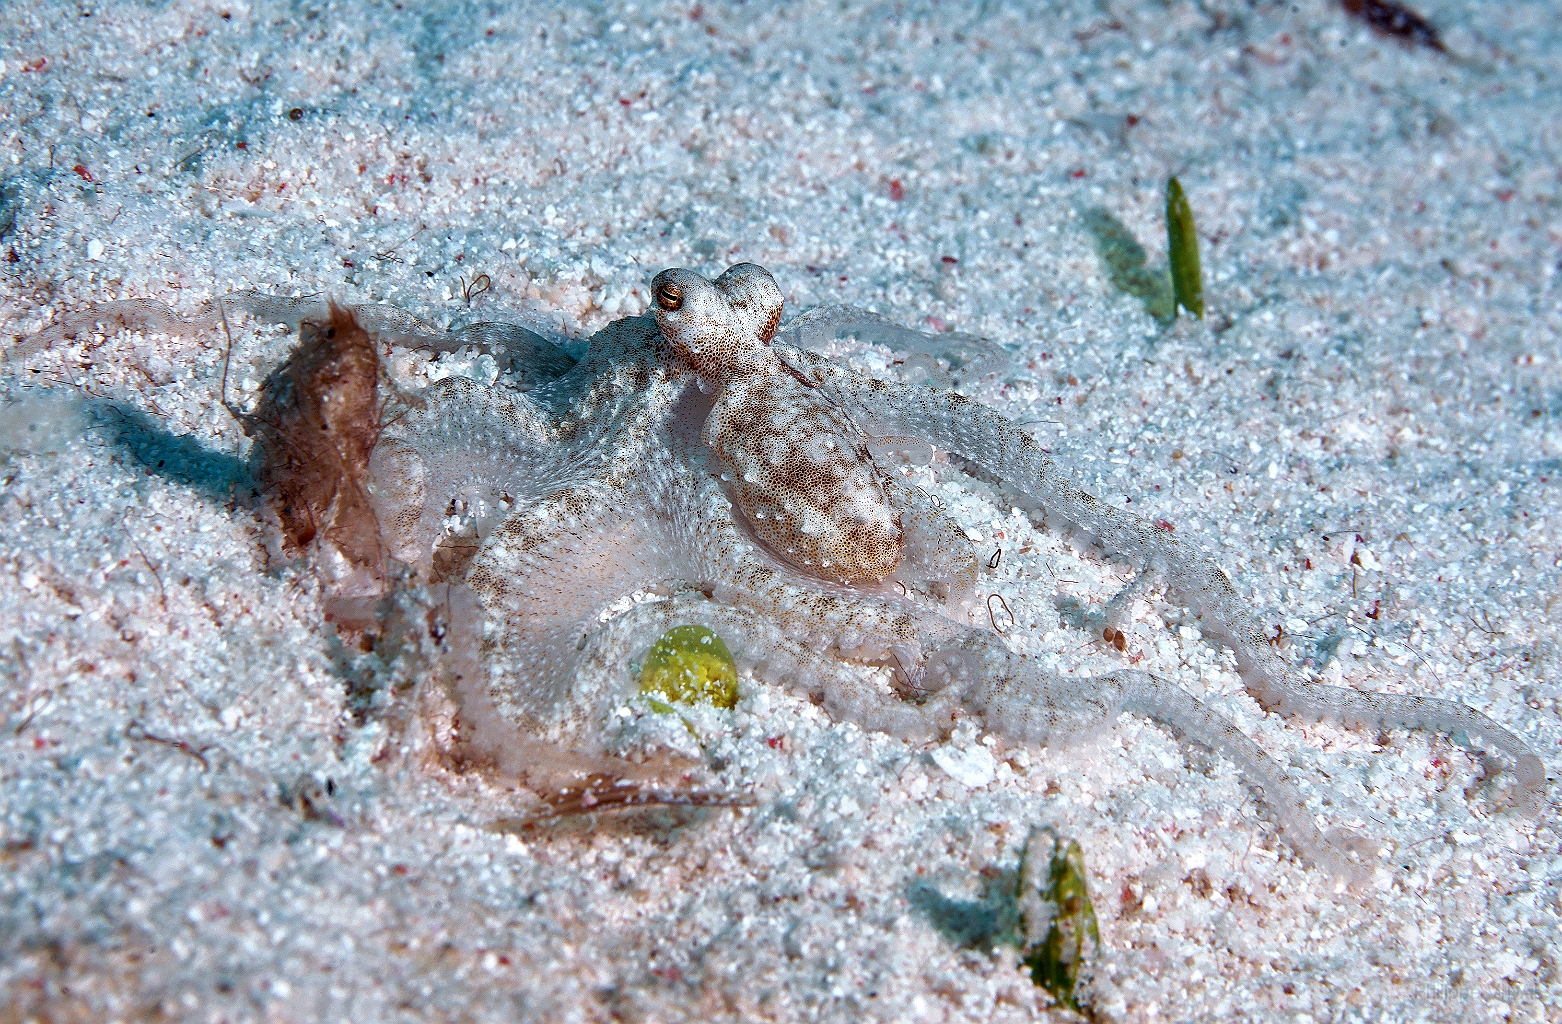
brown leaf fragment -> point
(317, 422)
(604, 793)
(1395, 19)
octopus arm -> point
(921, 353)
(467, 445)
(950, 670)
(713, 552)
(543, 578)
(527, 355)
(1193, 720)
(1024, 704)
(954, 423)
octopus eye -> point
(669, 297)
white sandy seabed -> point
(1364, 433)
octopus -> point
(692, 468)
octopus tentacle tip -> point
(1347, 856)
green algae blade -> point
(1063, 907)
(1182, 249)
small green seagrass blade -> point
(1072, 936)
(1182, 247)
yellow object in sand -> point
(690, 664)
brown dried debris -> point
(319, 417)
(1395, 19)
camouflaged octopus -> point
(690, 468)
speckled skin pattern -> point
(799, 467)
(690, 454)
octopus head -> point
(722, 327)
